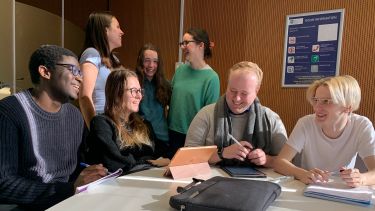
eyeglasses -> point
(72, 68)
(134, 91)
(321, 101)
(186, 42)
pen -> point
(335, 173)
(234, 139)
(87, 165)
(282, 179)
(237, 142)
(84, 164)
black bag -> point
(222, 193)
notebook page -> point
(96, 182)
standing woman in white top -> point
(103, 35)
(330, 139)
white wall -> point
(6, 73)
(34, 27)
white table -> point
(149, 190)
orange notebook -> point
(190, 162)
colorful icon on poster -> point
(314, 58)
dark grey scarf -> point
(257, 132)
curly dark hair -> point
(48, 56)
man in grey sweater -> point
(239, 115)
(40, 134)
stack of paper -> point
(339, 191)
(96, 182)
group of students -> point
(123, 118)
(135, 117)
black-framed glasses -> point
(72, 68)
(134, 91)
(186, 42)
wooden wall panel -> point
(130, 14)
(76, 12)
(149, 21)
(161, 27)
(244, 30)
(225, 23)
(254, 30)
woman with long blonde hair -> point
(120, 138)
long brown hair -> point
(96, 37)
(135, 132)
(163, 87)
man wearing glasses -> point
(40, 134)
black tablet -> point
(243, 171)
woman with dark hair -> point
(103, 35)
(120, 138)
(155, 104)
(195, 84)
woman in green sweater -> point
(194, 85)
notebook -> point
(243, 171)
(97, 182)
(337, 190)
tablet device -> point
(190, 160)
(243, 171)
(192, 155)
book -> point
(96, 182)
(337, 190)
(243, 171)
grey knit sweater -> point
(38, 151)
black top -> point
(103, 146)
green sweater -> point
(192, 90)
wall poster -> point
(312, 47)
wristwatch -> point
(220, 154)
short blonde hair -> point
(344, 90)
(245, 66)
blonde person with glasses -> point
(120, 138)
(330, 139)
(194, 85)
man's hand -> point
(236, 151)
(258, 157)
(90, 174)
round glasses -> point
(135, 92)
